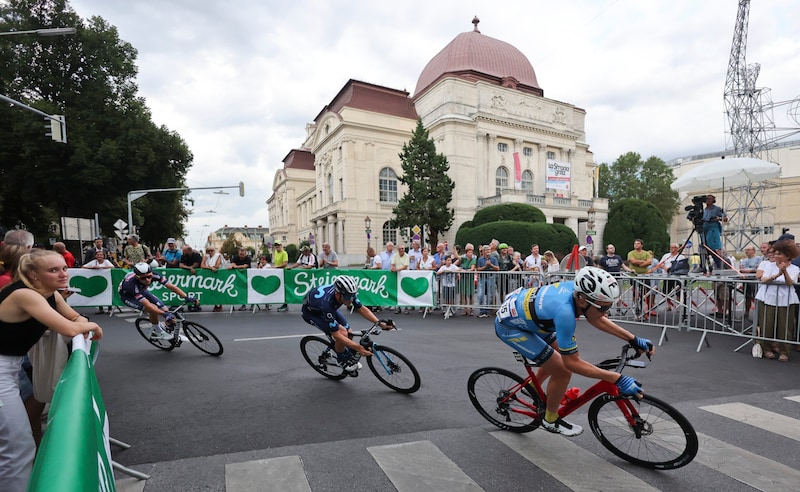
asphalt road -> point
(190, 413)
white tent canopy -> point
(726, 173)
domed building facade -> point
(481, 102)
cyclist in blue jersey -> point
(321, 309)
(540, 324)
(133, 293)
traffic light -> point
(241, 188)
(56, 127)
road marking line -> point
(285, 474)
(793, 398)
(762, 419)
(271, 338)
(421, 466)
(550, 452)
(742, 465)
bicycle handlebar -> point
(618, 363)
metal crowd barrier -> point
(704, 303)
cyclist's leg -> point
(537, 349)
(153, 306)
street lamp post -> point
(53, 31)
(133, 195)
(591, 214)
(368, 229)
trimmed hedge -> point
(518, 212)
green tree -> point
(631, 219)
(231, 246)
(650, 180)
(430, 189)
(113, 145)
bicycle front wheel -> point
(660, 437)
(144, 327)
(202, 338)
(503, 399)
(393, 369)
(320, 355)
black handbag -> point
(679, 267)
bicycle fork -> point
(385, 360)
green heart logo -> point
(414, 287)
(90, 286)
(265, 285)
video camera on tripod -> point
(695, 210)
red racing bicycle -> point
(644, 431)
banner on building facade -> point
(558, 175)
(257, 286)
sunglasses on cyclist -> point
(600, 308)
(348, 297)
(145, 277)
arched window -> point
(527, 180)
(389, 234)
(387, 186)
(500, 179)
(330, 188)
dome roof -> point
(473, 55)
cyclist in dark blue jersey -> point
(321, 309)
(133, 293)
(540, 324)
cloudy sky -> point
(239, 80)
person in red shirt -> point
(61, 249)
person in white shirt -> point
(424, 262)
(533, 264)
(100, 263)
(447, 281)
(414, 256)
(666, 262)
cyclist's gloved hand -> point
(191, 300)
(629, 386)
(169, 317)
(642, 344)
(388, 323)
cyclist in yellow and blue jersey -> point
(540, 324)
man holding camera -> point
(713, 216)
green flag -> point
(74, 454)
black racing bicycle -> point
(199, 336)
(387, 364)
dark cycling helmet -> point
(142, 268)
(346, 285)
(596, 284)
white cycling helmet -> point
(596, 284)
(346, 285)
(142, 268)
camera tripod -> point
(708, 256)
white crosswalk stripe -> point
(550, 452)
(749, 468)
(423, 466)
(285, 474)
(763, 419)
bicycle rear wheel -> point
(202, 338)
(661, 437)
(144, 327)
(393, 369)
(501, 397)
(320, 355)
